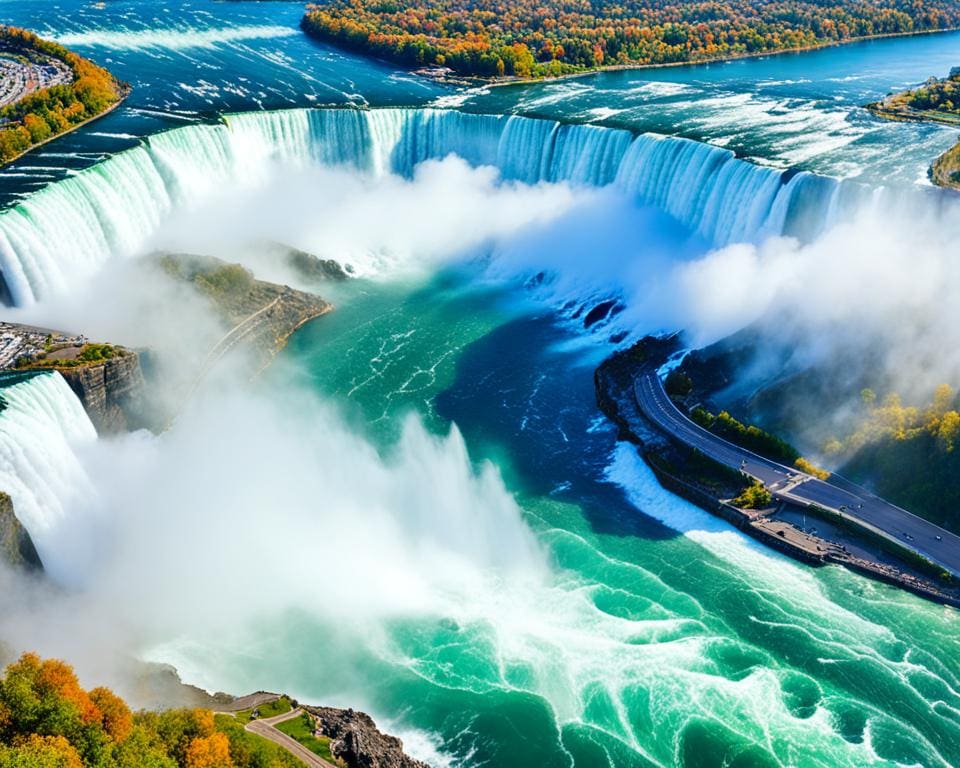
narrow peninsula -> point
(47, 90)
(762, 486)
(936, 101)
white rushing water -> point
(174, 38)
(65, 232)
(40, 428)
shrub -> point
(755, 496)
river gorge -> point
(418, 509)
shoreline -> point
(907, 115)
(476, 81)
(126, 91)
(849, 545)
(944, 170)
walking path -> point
(267, 729)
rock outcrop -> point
(112, 392)
(311, 268)
(16, 546)
(355, 739)
(945, 171)
(261, 314)
(106, 378)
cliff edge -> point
(107, 378)
(16, 546)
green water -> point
(638, 644)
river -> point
(519, 591)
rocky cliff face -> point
(355, 739)
(16, 546)
(112, 392)
(262, 314)
(107, 378)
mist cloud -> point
(262, 502)
(379, 225)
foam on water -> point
(172, 39)
(68, 230)
(41, 426)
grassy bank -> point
(301, 729)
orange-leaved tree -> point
(211, 751)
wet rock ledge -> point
(356, 740)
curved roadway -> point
(791, 485)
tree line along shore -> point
(520, 39)
(82, 92)
(936, 101)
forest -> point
(47, 720)
(526, 39)
(909, 455)
(941, 95)
(51, 111)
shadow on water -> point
(517, 386)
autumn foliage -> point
(909, 454)
(942, 95)
(491, 38)
(47, 720)
(211, 751)
(51, 111)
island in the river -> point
(936, 101)
(47, 90)
(523, 39)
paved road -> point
(265, 728)
(789, 484)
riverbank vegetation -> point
(496, 38)
(755, 439)
(47, 720)
(945, 170)
(70, 356)
(756, 496)
(49, 112)
(909, 454)
(937, 101)
(746, 436)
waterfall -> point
(65, 232)
(41, 423)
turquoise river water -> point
(564, 610)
